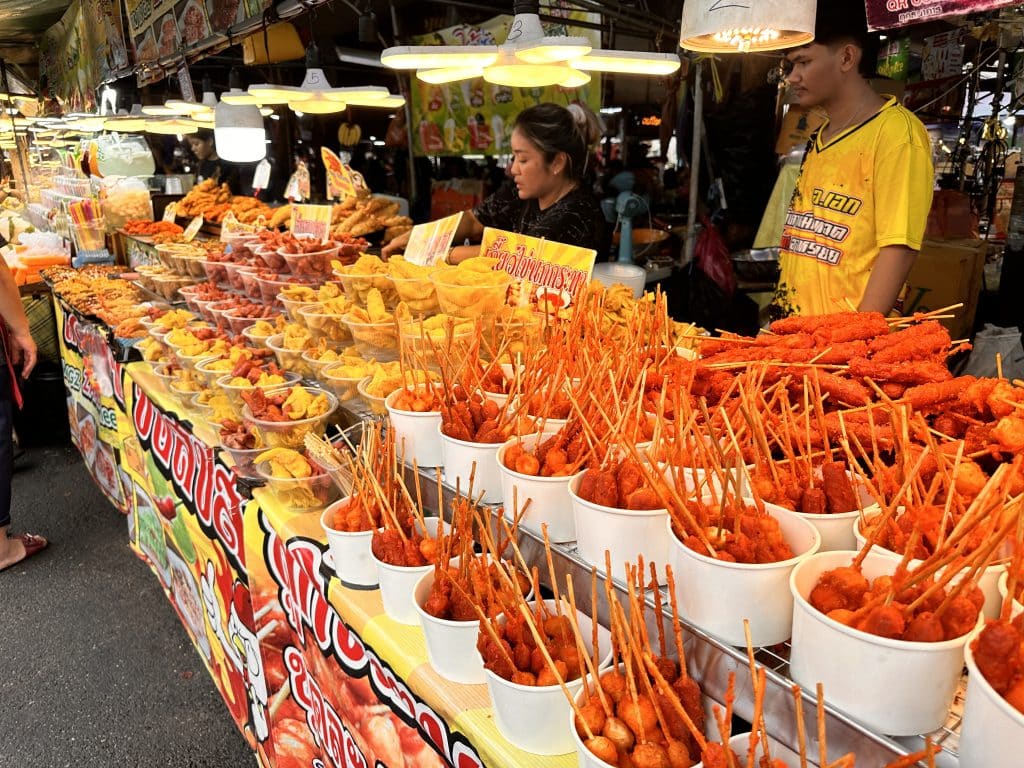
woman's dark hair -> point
(204, 134)
(553, 129)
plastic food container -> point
(271, 258)
(469, 300)
(462, 460)
(288, 359)
(216, 271)
(374, 403)
(167, 286)
(233, 271)
(243, 460)
(300, 494)
(353, 560)
(417, 434)
(626, 534)
(316, 264)
(357, 287)
(269, 288)
(292, 306)
(324, 325)
(548, 496)
(418, 292)
(717, 595)
(342, 387)
(234, 392)
(256, 340)
(291, 434)
(895, 687)
(375, 340)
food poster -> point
(162, 28)
(188, 525)
(85, 48)
(347, 685)
(550, 275)
(475, 117)
(96, 412)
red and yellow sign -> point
(887, 14)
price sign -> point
(312, 221)
(192, 229)
(261, 177)
(429, 243)
(170, 212)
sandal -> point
(33, 545)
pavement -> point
(95, 667)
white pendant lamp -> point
(131, 122)
(171, 126)
(528, 58)
(316, 96)
(238, 131)
(711, 26)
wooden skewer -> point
(801, 730)
(822, 746)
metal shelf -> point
(710, 662)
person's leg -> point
(13, 549)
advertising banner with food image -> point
(188, 526)
(549, 275)
(474, 116)
(95, 402)
(161, 28)
(85, 48)
(346, 684)
(888, 14)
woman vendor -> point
(547, 195)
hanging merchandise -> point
(272, 45)
(349, 134)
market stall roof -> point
(24, 21)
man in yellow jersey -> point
(858, 213)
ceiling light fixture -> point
(131, 122)
(528, 58)
(172, 126)
(710, 26)
(238, 131)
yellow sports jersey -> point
(870, 186)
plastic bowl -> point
(469, 301)
(316, 264)
(182, 396)
(300, 494)
(419, 293)
(242, 458)
(193, 266)
(353, 561)
(894, 687)
(374, 340)
(167, 286)
(291, 434)
(357, 288)
(270, 288)
(271, 258)
(288, 359)
(232, 270)
(216, 271)
(292, 306)
(343, 388)
(374, 403)
(324, 325)
(234, 392)
(256, 340)
(205, 374)
(731, 592)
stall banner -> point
(334, 700)
(888, 14)
(187, 524)
(85, 48)
(549, 273)
(160, 28)
(95, 400)
(475, 117)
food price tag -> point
(261, 177)
(338, 187)
(312, 221)
(429, 243)
(170, 212)
(192, 229)
(551, 275)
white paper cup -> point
(417, 435)
(891, 686)
(699, 482)
(533, 718)
(1003, 586)
(398, 582)
(837, 530)
(451, 645)
(988, 581)
(624, 533)
(992, 730)
(353, 561)
(459, 457)
(548, 496)
(717, 595)
(740, 743)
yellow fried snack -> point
(266, 329)
(174, 318)
(412, 283)
(295, 337)
(301, 293)
(285, 462)
(329, 291)
(389, 376)
(471, 289)
(265, 380)
(302, 404)
(367, 273)
(325, 320)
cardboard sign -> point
(339, 176)
(552, 275)
(261, 176)
(170, 212)
(312, 220)
(429, 243)
(192, 229)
